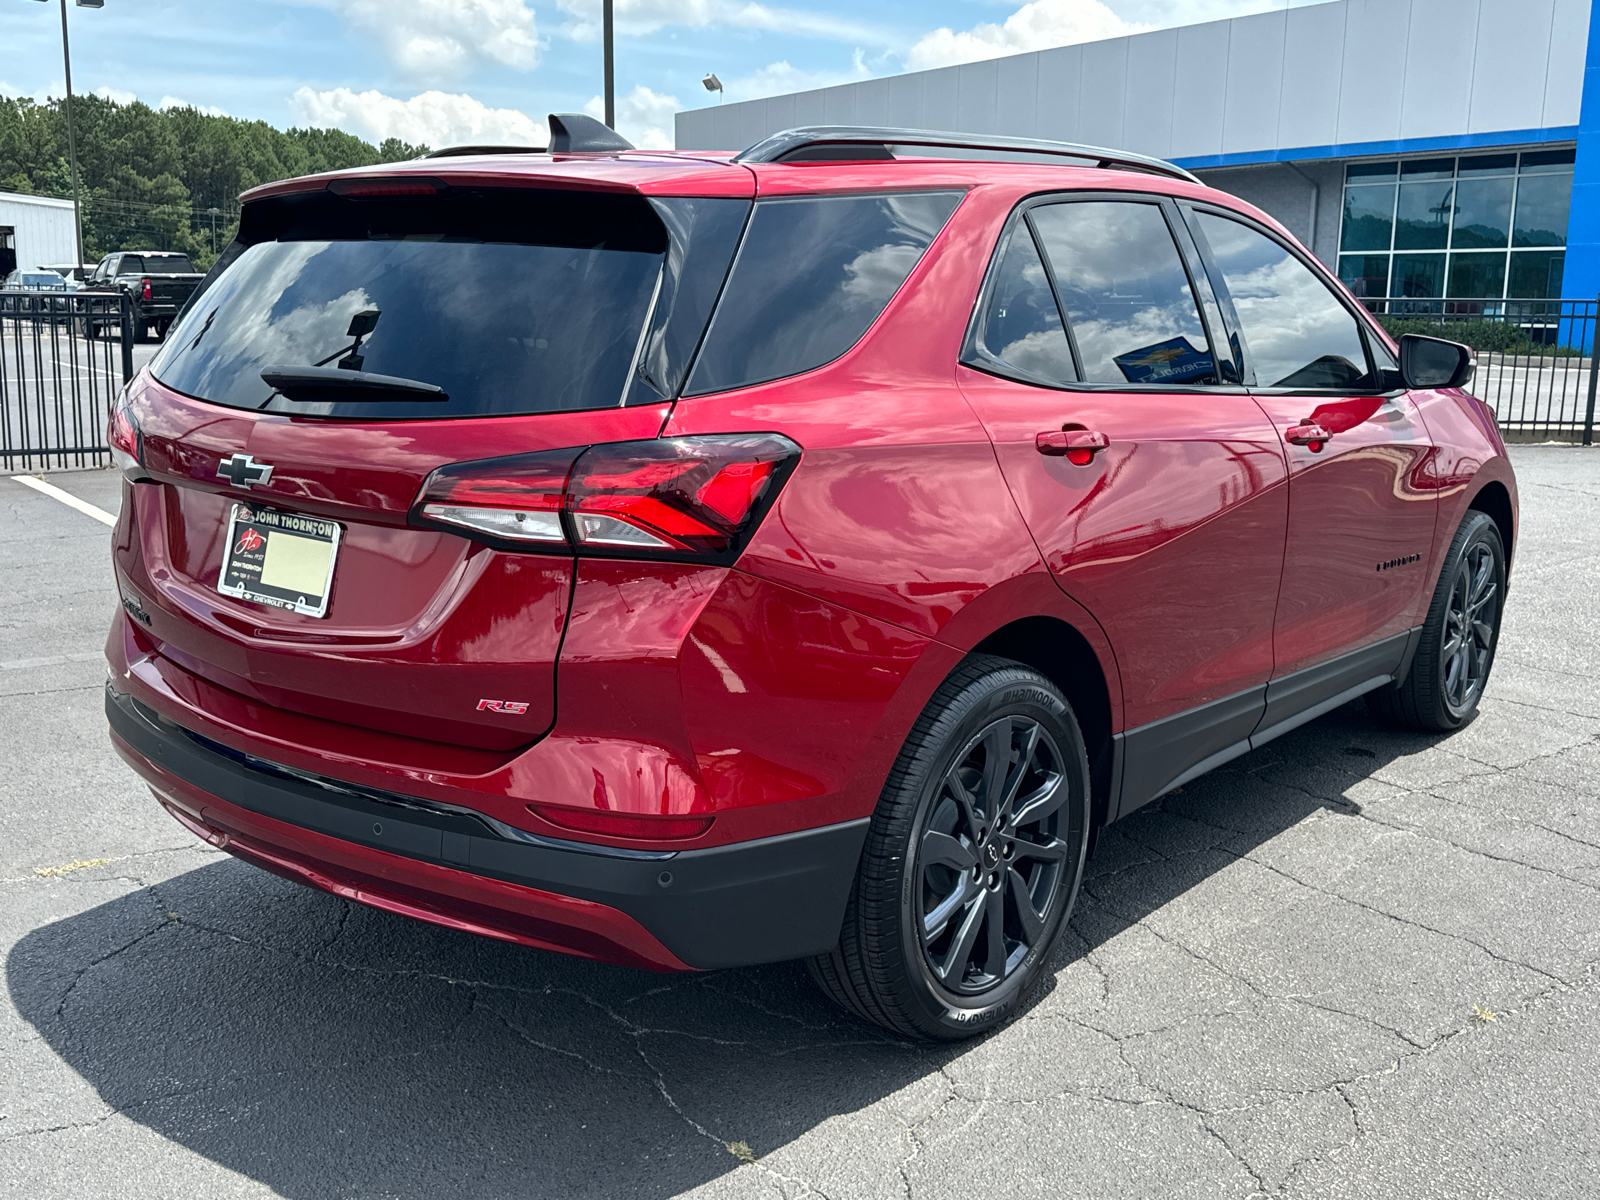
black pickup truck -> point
(158, 282)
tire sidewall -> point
(979, 705)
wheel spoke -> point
(955, 962)
(939, 917)
(996, 768)
(964, 801)
(994, 906)
(943, 850)
(1055, 850)
(1041, 802)
(1019, 772)
(1027, 916)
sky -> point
(449, 72)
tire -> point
(919, 920)
(141, 331)
(1449, 672)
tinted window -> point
(511, 301)
(1021, 326)
(1296, 333)
(811, 275)
(1126, 295)
(168, 264)
(131, 264)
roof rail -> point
(458, 151)
(804, 145)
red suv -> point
(693, 560)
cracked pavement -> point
(1358, 962)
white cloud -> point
(210, 110)
(779, 78)
(638, 17)
(115, 95)
(643, 117)
(434, 118)
(1034, 26)
(435, 39)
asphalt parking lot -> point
(1357, 963)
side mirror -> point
(1427, 362)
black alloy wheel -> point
(972, 861)
(990, 857)
(1441, 691)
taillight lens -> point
(690, 498)
(123, 435)
(145, 285)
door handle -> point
(1313, 437)
(1077, 446)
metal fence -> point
(63, 358)
(1537, 359)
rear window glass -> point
(1127, 295)
(811, 275)
(161, 264)
(1022, 327)
(505, 300)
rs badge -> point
(516, 707)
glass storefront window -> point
(1422, 221)
(1478, 227)
(1483, 214)
(1365, 274)
(1368, 218)
(1477, 276)
(1420, 276)
(1543, 202)
(1536, 273)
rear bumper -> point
(751, 902)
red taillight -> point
(123, 435)
(144, 284)
(697, 498)
(375, 189)
(623, 825)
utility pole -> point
(606, 32)
(213, 213)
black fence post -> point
(127, 344)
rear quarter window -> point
(811, 275)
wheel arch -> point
(1063, 655)
(1494, 499)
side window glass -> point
(1296, 333)
(810, 276)
(1022, 326)
(1125, 291)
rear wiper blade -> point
(333, 384)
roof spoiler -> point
(831, 143)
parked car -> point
(694, 561)
(158, 283)
(49, 294)
(74, 275)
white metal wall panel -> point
(1253, 84)
(44, 228)
(1313, 58)
(1017, 96)
(1513, 44)
(1199, 88)
(1060, 94)
(940, 97)
(1375, 36)
(1103, 85)
(1147, 109)
(1569, 41)
(1443, 40)
(1349, 71)
(978, 97)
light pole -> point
(72, 142)
(712, 84)
(213, 213)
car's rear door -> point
(1361, 507)
(1172, 534)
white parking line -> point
(67, 498)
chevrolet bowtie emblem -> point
(242, 470)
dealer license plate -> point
(281, 559)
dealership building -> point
(1426, 149)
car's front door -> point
(1155, 492)
(1361, 516)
